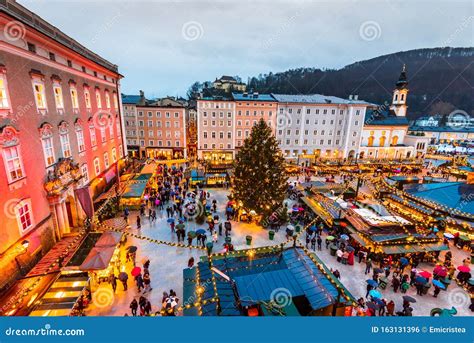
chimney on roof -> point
(356, 97)
(350, 97)
(142, 94)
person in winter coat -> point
(395, 283)
(147, 282)
(368, 266)
(134, 307)
(390, 308)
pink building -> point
(60, 134)
(249, 109)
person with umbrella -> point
(123, 277)
(438, 286)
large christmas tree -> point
(260, 182)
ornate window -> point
(87, 96)
(24, 215)
(98, 98)
(106, 160)
(81, 145)
(11, 154)
(40, 95)
(92, 134)
(85, 174)
(74, 96)
(4, 99)
(97, 166)
(114, 155)
(107, 99)
(394, 140)
(114, 95)
(46, 133)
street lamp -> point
(25, 244)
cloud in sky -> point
(162, 47)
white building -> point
(319, 126)
(385, 127)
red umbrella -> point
(440, 271)
(425, 274)
(464, 269)
(136, 271)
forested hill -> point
(440, 80)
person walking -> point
(320, 241)
(139, 223)
(139, 282)
(134, 307)
(395, 283)
(147, 282)
(368, 266)
(313, 243)
(125, 282)
(390, 308)
(113, 281)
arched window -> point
(382, 141)
(394, 140)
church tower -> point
(399, 100)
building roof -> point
(445, 128)
(130, 99)
(27, 17)
(226, 78)
(252, 97)
(316, 99)
(456, 195)
(383, 117)
(257, 279)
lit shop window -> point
(97, 166)
(13, 163)
(120, 151)
(48, 150)
(3, 93)
(24, 215)
(65, 145)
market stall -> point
(62, 297)
(134, 191)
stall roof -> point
(449, 194)
(109, 239)
(61, 297)
(292, 269)
(134, 190)
(413, 248)
(98, 259)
